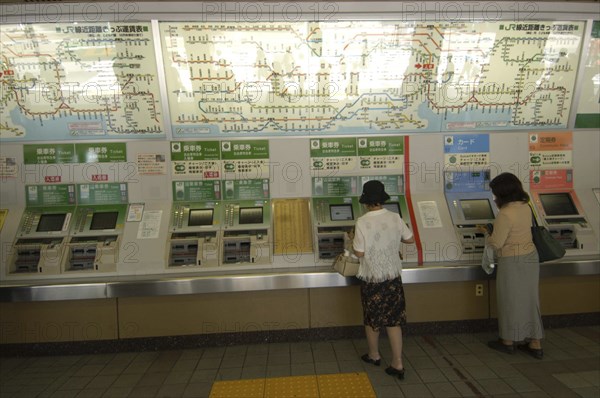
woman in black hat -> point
(376, 242)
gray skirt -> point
(518, 298)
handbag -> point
(346, 265)
(547, 247)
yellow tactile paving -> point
(238, 388)
(291, 387)
(345, 385)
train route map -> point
(311, 78)
(79, 81)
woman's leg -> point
(535, 344)
(395, 336)
(373, 342)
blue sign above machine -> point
(466, 143)
(467, 164)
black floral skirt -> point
(383, 303)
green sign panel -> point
(394, 184)
(49, 153)
(246, 189)
(101, 153)
(334, 186)
(375, 146)
(50, 195)
(331, 147)
(195, 150)
(245, 149)
(102, 194)
(194, 191)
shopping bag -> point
(346, 265)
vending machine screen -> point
(558, 204)
(200, 217)
(251, 215)
(394, 207)
(341, 212)
(104, 220)
(51, 222)
(477, 209)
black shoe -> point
(368, 359)
(395, 372)
(537, 353)
(500, 346)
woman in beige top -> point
(517, 279)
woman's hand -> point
(484, 229)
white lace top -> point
(378, 234)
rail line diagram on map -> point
(100, 80)
(373, 76)
(88, 80)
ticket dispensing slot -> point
(333, 218)
(96, 238)
(468, 210)
(194, 237)
(43, 255)
(566, 221)
(40, 244)
(84, 251)
(246, 238)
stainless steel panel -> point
(76, 291)
(163, 285)
(241, 283)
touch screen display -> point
(251, 215)
(341, 212)
(477, 209)
(51, 222)
(200, 217)
(558, 204)
(104, 220)
(393, 207)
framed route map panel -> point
(79, 81)
(352, 77)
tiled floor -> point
(457, 365)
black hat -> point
(373, 192)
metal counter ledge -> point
(319, 277)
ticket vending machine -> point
(333, 218)
(40, 243)
(195, 234)
(246, 232)
(563, 215)
(394, 186)
(95, 238)
(397, 204)
(468, 210)
(97, 228)
(470, 204)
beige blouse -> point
(512, 230)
